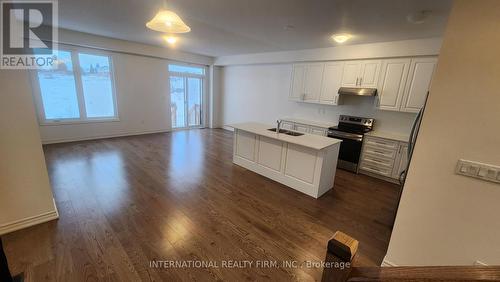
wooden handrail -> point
(342, 248)
(340, 252)
(426, 273)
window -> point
(96, 83)
(57, 88)
(186, 69)
(77, 87)
(186, 95)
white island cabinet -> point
(306, 163)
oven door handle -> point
(346, 135)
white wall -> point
(444, 218)
(142, 89)
(255, 87)
(215, 111)
(404, 48)
(143, 101)
(260, 93)
(25, 193)
(106, 43)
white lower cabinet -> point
(304, 128)
(245, 147)
(401, 162)
(383, 157)
(309, 170)
(287, 125)
(318, 131)
(270, 152)
(300, 163)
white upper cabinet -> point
(306, 82)
(417, 84)
(402, 83)
(361, 73)
(370, 72)
(312, 82)
(350, 77)
(297, 87)
(332, 80)
(392, 83)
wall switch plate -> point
(478, 170)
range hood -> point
(358, 91)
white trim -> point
(226, 127)
(29, 221)
(89, 120)
(387, 263)
(94, 137)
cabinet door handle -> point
(357, 79)
(360, 81)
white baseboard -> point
(228, 128)
(64, 140)
(29, 221)
(387, 263)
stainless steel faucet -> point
(278, 127)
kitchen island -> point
(306, 163)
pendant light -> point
(168, 21)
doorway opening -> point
(187, 88)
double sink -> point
(287, 132)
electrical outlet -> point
(478, 170)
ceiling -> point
(229, 27)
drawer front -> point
(380, 151)
(381, 143)
(287, 125)
(376, 169)
(318, 131)
(375, 160)
(302, 128)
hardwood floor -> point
(177, 196)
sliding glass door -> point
(186, 96)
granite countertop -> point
(307, 140)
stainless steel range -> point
(351, 130)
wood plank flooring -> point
(124, 202)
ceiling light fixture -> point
(170, 39)
(341, 38)
(169, 22)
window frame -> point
(75, 51)
(204, 87)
